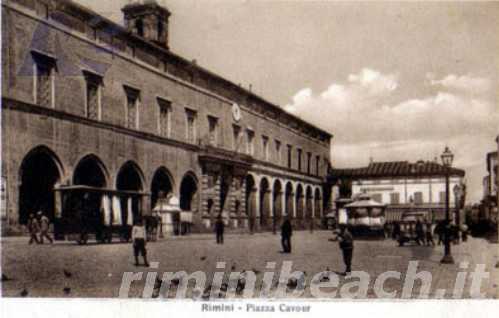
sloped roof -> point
(396, 169)
(370, 203)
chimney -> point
(148, 20)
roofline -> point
(461, 174)
(152, 45)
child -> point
(139, 242)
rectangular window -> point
(309, 159)
(418, 197)
(290, 149)
(190, 134)
(265, 147)
(165, 108)
(317, 164)
(132, 108)
(326, 166)
(278, 151)
(299, 151)
(213, 130)
(395, 198)
(236, 137)
(250, 149)
(44, 80)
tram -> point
(84, 212)
(366, 217)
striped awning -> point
(392, 216)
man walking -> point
(286, 232)
(44, 227)
(219, 229)
(345, 239)
(33, 228)
(420, 234)
(439, 230)
(429, 234)
(139, 242)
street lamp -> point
(458, 192)
(447, 158)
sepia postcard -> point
(249, 157)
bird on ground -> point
(67, 273)
(203, 258)
(67, 290)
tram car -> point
(84, 213)
(366, 217)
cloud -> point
(375, 83)
(463, 83)
(369, 117)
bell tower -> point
(147, 19)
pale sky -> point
(391, 81)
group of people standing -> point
(38, 227)
(425, 231)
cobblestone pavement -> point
(65, 269)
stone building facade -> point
(88, 103)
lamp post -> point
(457, 208)
(447, 158)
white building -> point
(404, 186)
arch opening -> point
(264, 202)
(130, 179)
(188, 193)
(277, 201)
(289, 199)
(39, 173)
(161, 186)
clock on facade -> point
(236, 112)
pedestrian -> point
(464, 230)
(456, 233)
(439, 230)
(44, 227)
(33, 228)
(396, 230)
(139, 242)
(429, 234)
(345, 239)
(420, 233)
(219, 229)
(286, 232)
(386, 230)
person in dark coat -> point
(439, 230)
(396, 230)
(420, 234)
(219, 229)
(286, 232)
(345, 240)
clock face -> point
(236, 112)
